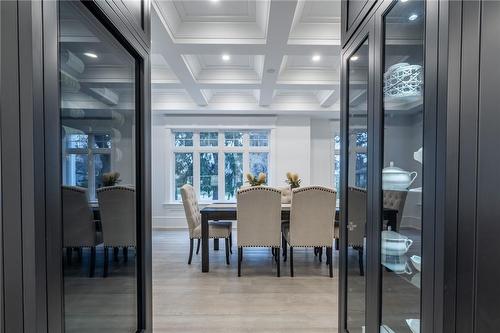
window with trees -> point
(87, 156)
(215, 161)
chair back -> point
(259, 216)
(118, 215)
(312, 216)
(191, 208)
(395, 200)
(78, 225)
(356, 216)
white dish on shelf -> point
(416, 261)
(394, 243)
(414, 325)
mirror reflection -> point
(401, 256)
(97, 109)
(357, 177)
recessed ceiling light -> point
(316, 58)
(404, 0)
(413, 17)
(214, 1)
(354, 58)
(226, 57)
(90, 55)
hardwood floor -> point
(186, 300)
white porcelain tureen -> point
(394, 178)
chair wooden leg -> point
(283, 244)
(116, 250)
(240, 258)
(191, 241)
(198, 247)
(69, 254)
(227, 250)
(337, 244)
(125, 253)
(316, 251)
(278, 272)
(329, 253)
(92, 261)
(216, 244)
(320, 254)
(360, 259)
(291, 261)
(285, 249)
(106, 262)
(231, 242)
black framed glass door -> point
(402, 173)
(99, 114)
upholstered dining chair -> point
(395, 200)
(79, 228)
(118, 219)
(356, 224)
(312, 217)
(259, 220)
(193, 216)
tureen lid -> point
(392, 169)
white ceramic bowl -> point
(394, 243)
(416, 261)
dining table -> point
(228, 212)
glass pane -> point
(102, 165)
(209, 179)
(75, 140)
(102, 141)
(259, 138)
(336, 142)
(233, 139)
(233, 174)
(75, 170)
(97, 85)
(402, 174)
(337, 171)
(259, 162)
(183, 172)
(183, 139)
(209, 139)
(357, 185)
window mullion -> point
(221, 179)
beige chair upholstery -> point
(312, 219)
(259, 220)
(356, 224)
(193, 218)
(395, 200)
(79, 228)
(117, 205)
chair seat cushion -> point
(215, 230)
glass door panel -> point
(402, 170)
(98, 112)
(357, 94)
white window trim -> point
(221, 149)
(90, 152)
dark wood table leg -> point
(204, 243)
(216, 244)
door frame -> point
(106, 14)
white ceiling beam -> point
(168, 49)
(281, 16)
(330, 99)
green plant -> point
(111, 178)
(256, 180)
(293, 179)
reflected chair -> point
(259, 221)
(216, 230)
(356, 224)
(118, 218)
(312, 217)
(79, 227)
(395, 200)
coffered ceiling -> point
(246, 56)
